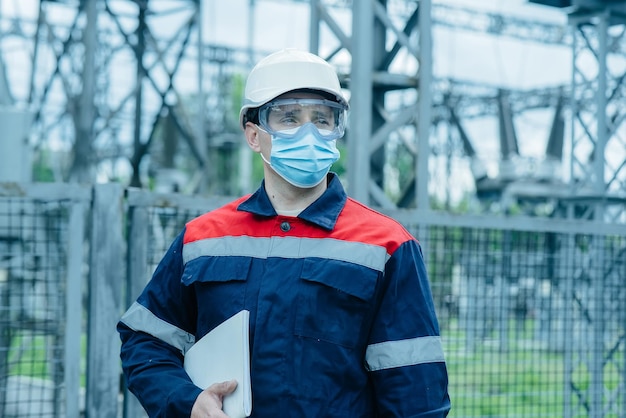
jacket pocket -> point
(216, 269)
(334, 300)
(219, 284)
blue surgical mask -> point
(302, 156)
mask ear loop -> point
(261, 153)
(263, 158)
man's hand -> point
(209, 402)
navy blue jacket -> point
(341, 314)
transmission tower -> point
(598, 179)
(392, 88)
(144, 115)
(597, 183)
(380, 67)
(123, 79)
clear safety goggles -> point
(290, 114)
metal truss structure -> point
(115, 118)
(393, 88)
(598, 182)
(174, 94)
(599, 115)
(173, 81)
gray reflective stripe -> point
(368, 255)
(390, 354)
(139, 318)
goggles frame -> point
(338, 110)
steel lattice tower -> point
(597, 188)
(598, 128)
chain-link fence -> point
(40, 302)
(531, 310)
(532, 315)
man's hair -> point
(252, 115)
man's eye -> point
(321, 122)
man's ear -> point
(252, 136)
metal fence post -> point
(137, 276)
(106, 279)
(74, 309)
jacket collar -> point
(323, 212)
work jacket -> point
(342, 322)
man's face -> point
(291, 116)
(303, 127)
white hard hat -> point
(287, 70)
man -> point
(342, 322)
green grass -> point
(522, 381)
(516, 383)
(27, 356)
(32, 355)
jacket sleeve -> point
(155, 332)
(404, 354)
